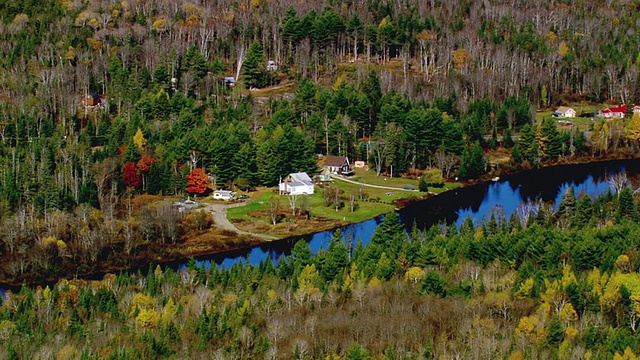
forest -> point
(108, 107)
(105, 104)
(548, 285)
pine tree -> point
(337, 257)
(507, 139)
(626, 207)
(567, 206)
(254, 66)
(154, 182)
(551, 139)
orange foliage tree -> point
(197, 182)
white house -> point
(613, 112)
(296, 184)
(225, 195)
(564, 112)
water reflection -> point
(476, 202)
(275, 250)
(547, 185)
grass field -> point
(379, 201)
(581, 123)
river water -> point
(477, 202)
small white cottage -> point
(225, 195)
(564, 112)
(296, 184)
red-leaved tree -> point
(197, 181)
(130, 176)
(144, 165)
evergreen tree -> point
(527, 143)
(154, 181)
(584, 211)
(626, 207)
(254, 66)
(551, 139)
(336, 258)
(555, 331)
(507, 139)
(301, 254)
(473, 163)
(567, 206)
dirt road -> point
(219, 212)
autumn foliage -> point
(197, 182)
(130, 176)
(144, 164)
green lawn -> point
(581, 123)
(380, 201)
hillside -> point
(111, 111)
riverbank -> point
(223, 240)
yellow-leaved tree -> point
(169, 311)
(563, 49)
(460, 57)
(414, 275)
(160, 25)
(632, 129)
(147, 319)
(139, 140)
(627, 355)
(306, 289)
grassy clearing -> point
(378, 201)
(316, 206)
(580, 123)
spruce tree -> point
(254, 66)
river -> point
(477, 202)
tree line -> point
(169, 125)
(540, 284)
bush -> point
(422, 185)
(433, 178)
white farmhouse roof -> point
(301, 177)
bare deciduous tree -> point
(274, 207)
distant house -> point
(95, 100)
(613, 112)
(230, 81)
(337, 165)
(296, 184)
(272, 66)
(564, 112)
(225, 195)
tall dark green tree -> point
(254, 66)
(551, 139)
(154, 180)
(626, 207)
(336, 257)
(473, 163)
(528, 145)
